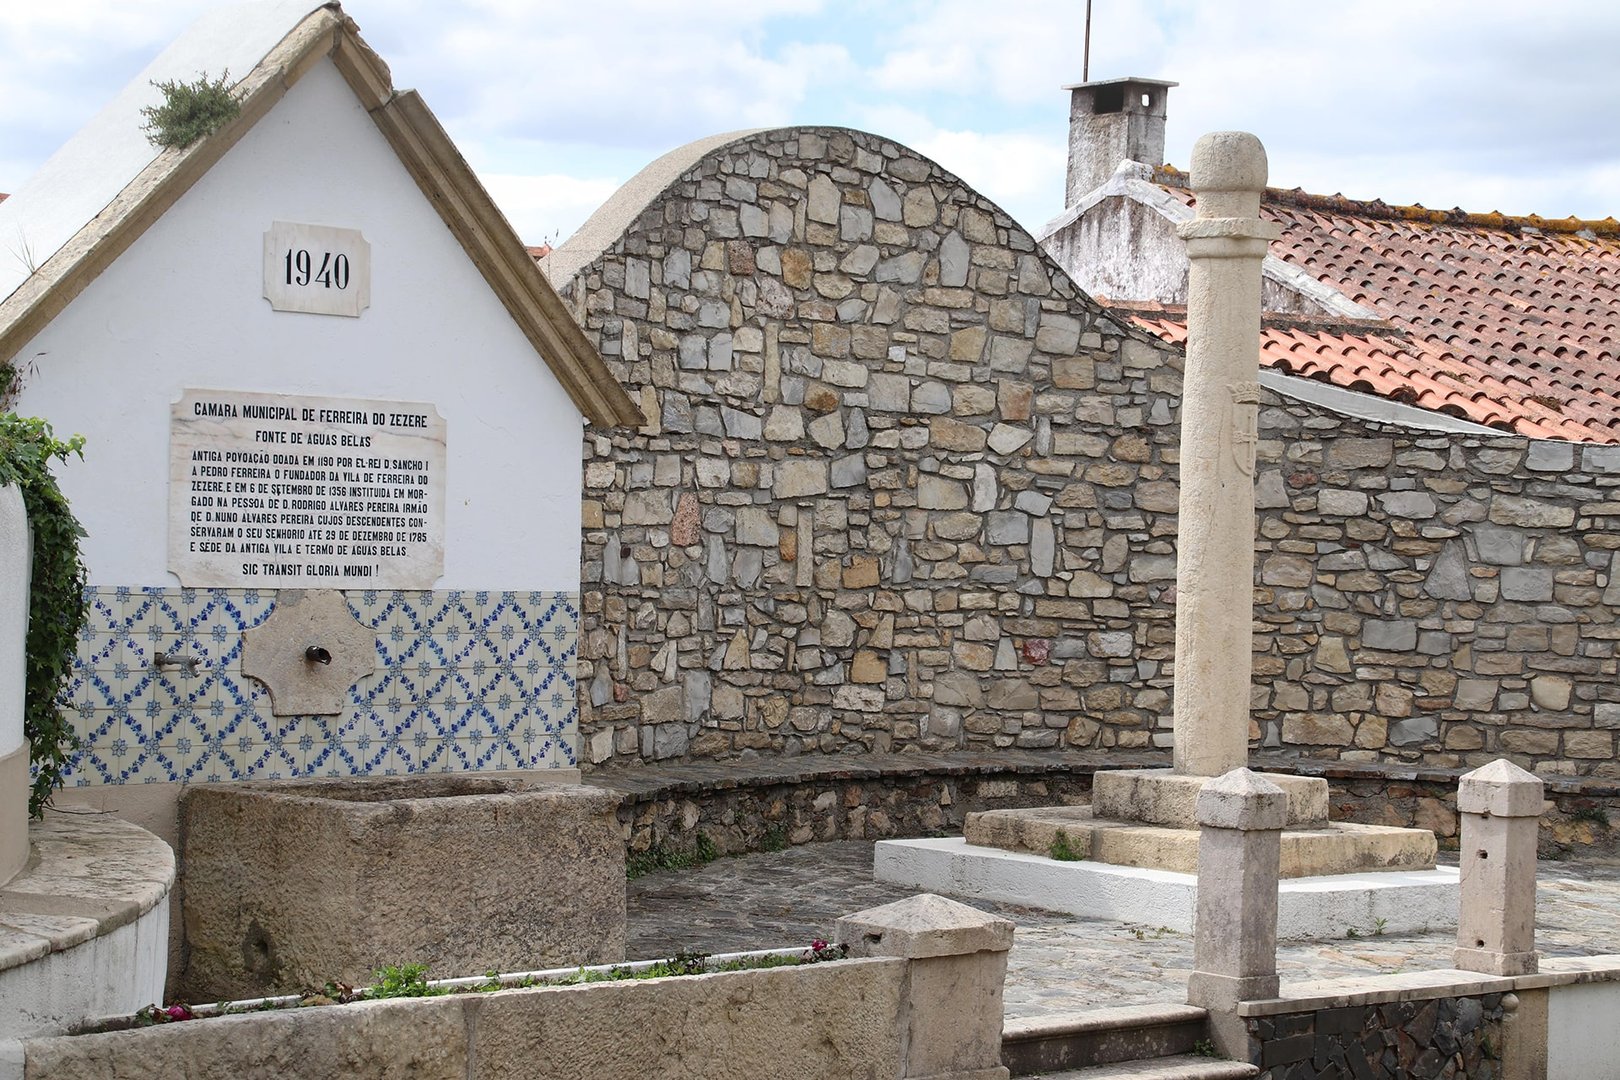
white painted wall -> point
(184, 306)
(1583, 1031)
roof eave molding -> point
(423, 148)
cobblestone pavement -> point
(1059, 963)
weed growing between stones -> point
(1063, 849)
(658, 857)
(1597, 815)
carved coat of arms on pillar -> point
(1243, 437)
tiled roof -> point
(1509, 322)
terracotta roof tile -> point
(1511, 322)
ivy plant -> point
(56, 605)
(190, 110)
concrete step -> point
(1177, 1067)
(1099, 1037)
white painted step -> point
(1179, 1067)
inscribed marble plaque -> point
(290, 491)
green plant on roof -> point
(190, 110)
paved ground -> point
(1059, 963)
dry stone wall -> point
(904, 487)
(1438, 598)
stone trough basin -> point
(290, 884)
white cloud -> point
(547, 209)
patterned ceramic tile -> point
(465, 680)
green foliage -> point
(1205, 1048)
(640, 863)
(1597, 815)
(1063, 849)
(402, 981)
(775, 839)
(190, 110)
(1379, 926)
(55, 595)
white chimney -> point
(1112, 121)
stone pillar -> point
(1215, 545)
(1240, 816)
(957, 965)
(16, 564)
(1500, 809)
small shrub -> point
(190, 111)
(775, 839)
(1205, 1048)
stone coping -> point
(1424, 985)
(87, 875)
(694, 777)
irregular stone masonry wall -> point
(1442, 1037)
(895, 453)
(1430, 598)
(767, 805)
(757, 805)
(906, 488)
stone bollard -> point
(1500, 808)
(957, 965)
(1241, 816)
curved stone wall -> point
(906, 487)
(893, 449)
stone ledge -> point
(1424, 985)
(86, 877)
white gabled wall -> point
(184, 307)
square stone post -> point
(957, 964)
(1500, 808)
(1240, 816)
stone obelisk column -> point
(1220, 392)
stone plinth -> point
(1163, 797)
(1315, 851)
(291, 884)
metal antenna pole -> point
(1085, 59)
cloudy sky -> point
(1483, 104)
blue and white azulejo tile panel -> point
(464, 681)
